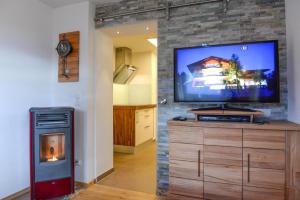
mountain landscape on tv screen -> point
(220, 77)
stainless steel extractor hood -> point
(124, 71)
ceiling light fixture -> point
(153, 41)
(118, 32)
(147, 28)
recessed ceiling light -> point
(153, 41)
(147, 28)
(118, 32)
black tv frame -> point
(277, 75)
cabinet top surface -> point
(134, 107)
(272, 125)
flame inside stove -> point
(52, 159)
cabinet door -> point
(218, 191)
(223, 137)
(264, 139)
(180, 197)
(223, 174)
(264, 178)
(184, 169)
(186, 152)
(223, 155)
(184, 134)
(254, 193)
(186, 187)
(264, 158)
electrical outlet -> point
(78, 162)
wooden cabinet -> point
(187, 152)
(255, 193)
(223, 137)
(186, 187)
(264, 139)
(218, 191)
(223, 155)
(264, 158)
(233, 161)
(185, 169)
(223, 174)
(133, 125)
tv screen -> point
(245, 72)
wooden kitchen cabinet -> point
(234, 161)
(132, 126)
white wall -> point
(104, 103)
(293, 52)
(142, 88)
(28, 77)
(25, 65)
(78, 94)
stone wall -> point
(245, 20)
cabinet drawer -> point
(265, 139)
(264, 178)
(223, 155)
(144, 117)
(143, 133)
(253, 193)
(180, 197)
(186, 187)
(223, 137)
(186, 152)
(223, 174)
(264, 158)
(219, 191)
(188, 135)
(184, 169)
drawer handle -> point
(146, 116)
(248, 168)
(199, 161)
(147, 127)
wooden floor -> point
(135, 172)
(102, 192)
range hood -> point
(124, 71)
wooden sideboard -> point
(133, 126)
(234, 161)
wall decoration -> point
(68, 51)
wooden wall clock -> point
(68, 51)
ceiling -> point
(135, 43)
(133, 36)
(59, 3)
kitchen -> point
(134, 111)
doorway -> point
(134, 106)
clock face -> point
(64, 48)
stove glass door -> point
(52, 147)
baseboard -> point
(132, 149)
(124, 149)
(17, 194)
(102, 176)
(79, 184)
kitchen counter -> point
(134, 107)
(134, 125)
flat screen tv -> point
(241, 73)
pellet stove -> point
(51, 152)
